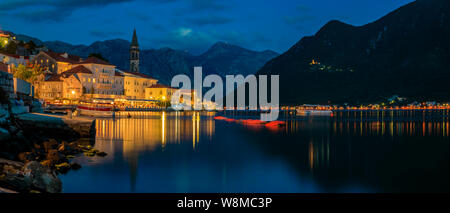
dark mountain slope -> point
(164, 63)
(404, 53)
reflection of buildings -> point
(140, 135)
(152, 134)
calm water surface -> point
(405, 151)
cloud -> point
(303, 8)
(138, 15)
(295, 20)
(183, 32)
(197, 42)
(50, 10)
(207, 5)
(61, 4)
(210, 20)
(44, 14)
(299, 21)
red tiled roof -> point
(94, 60)
(75, 57)
(58, 57)
(53, 77)
(117, 73)
(138, 74)
(77, 69)
(15, 55)
(161, 86)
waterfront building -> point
(13, 60)
(159, 92)
(103, 83)
(50, 88)
(135, 84)
(56, 62)
(76, 82)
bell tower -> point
(134, 54)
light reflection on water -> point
(191, 152)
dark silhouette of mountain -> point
(230, 59)
(164, 63)
(405, 53)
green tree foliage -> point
(27, 73)
(3, 43)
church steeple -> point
(134, 54)
(134, 41)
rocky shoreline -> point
(31, 158)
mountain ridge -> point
(221, 58)
(404, 53)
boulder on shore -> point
(32, 175)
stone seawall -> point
(35, 147)
(62, 126)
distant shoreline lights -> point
(202, 102)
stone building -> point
(159, 92)
(13, 59)
(56, 63)
(134, 54)
(50, 88)
(135, 84)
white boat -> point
(312, 112)
(98, 111)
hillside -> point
(406, 53)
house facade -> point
(159, 92)
(56, 63)
(135, 84)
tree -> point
(28, 73)
(11, 48)
(99, 56)
(30, 46)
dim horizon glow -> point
(191, 25)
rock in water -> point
(54, 156)
(4, 135)
(42, 177)
(101, 154)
